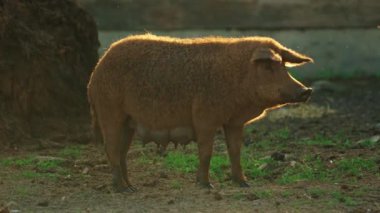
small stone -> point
(374, 139)
(100, 187)
(289, 157)
(43, 203)
(85, 170)
(263, 166)
(293, 163)
(364, 142)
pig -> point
(192, 86)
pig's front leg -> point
(234, 138)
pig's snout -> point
(304, 95)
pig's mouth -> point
(301, 97)
(304, 95)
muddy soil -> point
(342, 110)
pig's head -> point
(272, 82)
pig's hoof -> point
(125, 189)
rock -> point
(293, 163)
(367, 142)
(290, 157)
(263, 166)
(85, 170)
(375, 139)
(100, 187)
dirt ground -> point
(67, 173)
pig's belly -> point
(180, 135)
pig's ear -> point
(293, 58)
(265, 54)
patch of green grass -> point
(281, 134)
(44, 168)
(181, 162)
(219, 163)
(53, 167)
(314, 169)
(189, 163)
(30, 160)
(362, 191)
(310, 170)
(342, 198)
(71, 152)
(35, 175)
(255, 167)
(263, 145)
(355, 166)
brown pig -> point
(195, 85)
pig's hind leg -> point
(127, 141)
(117, 139)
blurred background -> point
(342, 36)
